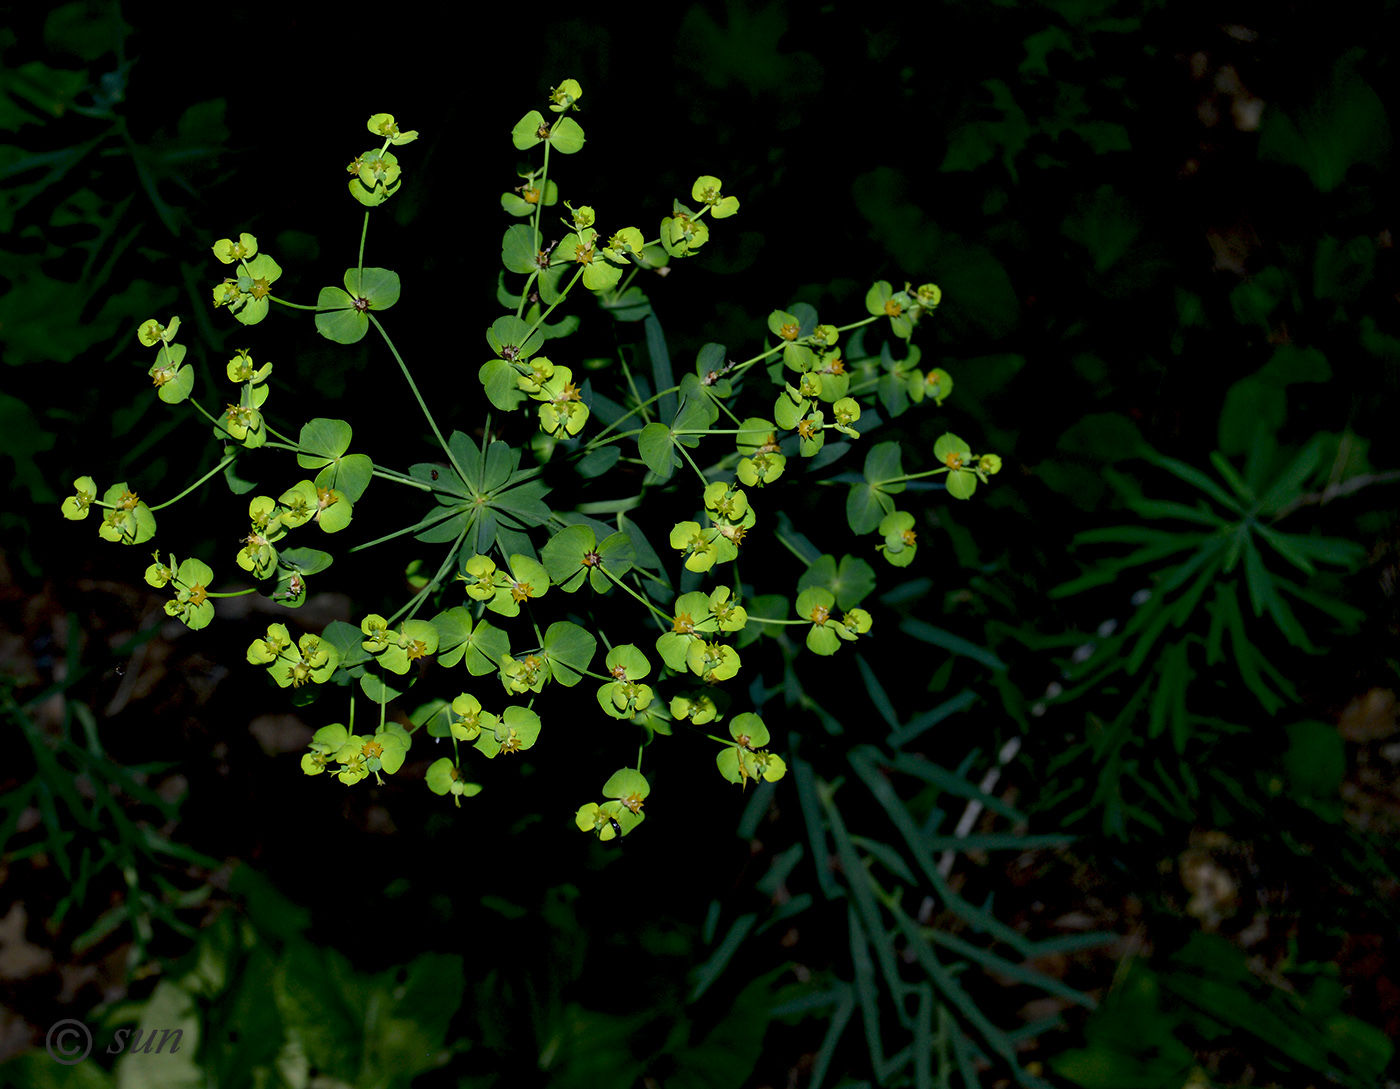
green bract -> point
(900, 541)
(343, 315)
(397, 650)
(746, 759)
(565, 96)
(711, 662)
(228, 252)
(375, 176)
(358, 756)
(527, 580)
(565, 135)
(246, 294)
(624, 696)
(311, 659)
(895, 305)
(76, 506)
(445, 777)
(629, 790)
(468, 719)
(478, 575)
(699, 707)
(382, 124)
(516, 730)
(173, 382)
(701, 547)
(682, 232)
(191, 601)
(707, 191)
(159, 574)
(128, 520)
(815, 604)
(563, 404)
(962, 465)
(574, 554)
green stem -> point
(412, 606)
(704, 483)
(360, 260)
(294, 306)
(232, 593)
(215, 420)
(446, 513)
(789, 546)
(915, 476)
(562, 296)
(630, 412)
(452, 460)
(401, 478)
(212, 472)
(618, 582)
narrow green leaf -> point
(954, 644)
(661, 372)
(1195, 478)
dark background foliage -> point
(1131, 208)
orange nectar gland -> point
(371, 749)
(521, 591)
(953, 460)
(416, 649)
(592, 559)
(683, 624)
(324, 498)
(893, 308)
(820, 614)
(298, 673)
(632, 801)
(128, 500)
(807, 429)
(788, 331)
(530, 196)
(198, 594)
(909, 537)
(619, 672)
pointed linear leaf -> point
(525, 502)
(661, 372)
(1194, 477)
(954, 644)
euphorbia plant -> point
(693, 468)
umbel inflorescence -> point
(523, 588)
